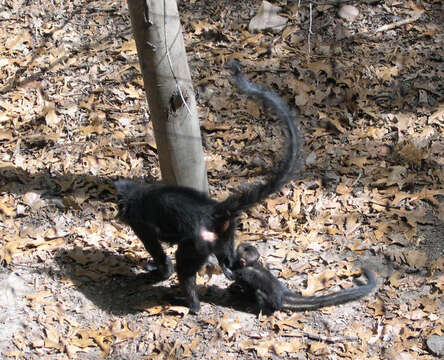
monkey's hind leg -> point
(150, 240)
(188, 263)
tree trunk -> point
(164, 70)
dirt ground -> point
(73, 119)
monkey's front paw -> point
(180, 300)
(194, 307)
(227, 272)
(166, 271)
(162, 271)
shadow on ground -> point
(119, 284)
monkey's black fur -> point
(271, 294)
(198, 224)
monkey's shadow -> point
(119, 284)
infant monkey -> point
(271, 294)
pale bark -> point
(176, 126)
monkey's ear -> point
(225, 226)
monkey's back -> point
(257, 277)
(172, 209)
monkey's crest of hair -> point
(124, 190)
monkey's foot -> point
(194, 307)
(180, 300)
(163, 271)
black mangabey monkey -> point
(272, 294)
(198, 224)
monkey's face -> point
(125, 193)
(225, 252)
(246, 255)
(224, 248)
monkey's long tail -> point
(291, 162)
(300, 303)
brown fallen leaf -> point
(394, 354)
(121, 331)
(51, 117)
(6, 206)
(33, 200)
(415, 259)
(333, 121)
(201, 27)
(317, 282)
(216, 162)
(394, 279)
(343, 189)
(128, 47)
(38, 296)
(181, 310)
(193, 347)
(429, 195)
(413, 154)
(95, 126)
(395, 255)
(15, 41)
(321, 65)
(262, 348)
(438, 116)
(153, 310)
(52, 339)
(281, 347)
(230, 325)
(319, 348)
(377, 306)
(19, 340)
(7, 251)
(359, 161)
(437, 265)
(6, 134)
(292, 322)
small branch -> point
(398, 23)
(370, 35)
(339, 2)
(278, 70)
(96, 9)
(357, 179)
(309, 29)
(331, 339)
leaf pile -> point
(73, 119)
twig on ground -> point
(398, 23)
(331, 339)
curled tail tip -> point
(235, 66)
(370, 276)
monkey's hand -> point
(228, 273)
